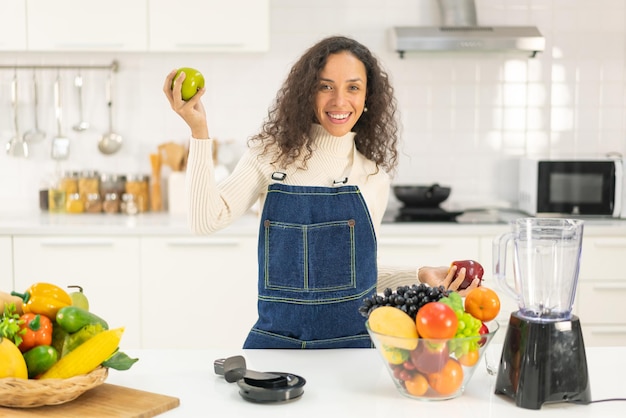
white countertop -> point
(38, 223)
(347, 383)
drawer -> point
(601, 258)
(602, 302)
(604, 335)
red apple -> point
(483, 330)
(429, 357)
(473, 270)
(194, 81)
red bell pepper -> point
(36, 330)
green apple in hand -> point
(194, 81)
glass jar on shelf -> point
(112, 183)
(88, 183)
(69, 182)
(138, 187)
(129, 205)
(74, 204)
(56, 196)
(111, 203)
(93, 203)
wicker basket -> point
(30, 393)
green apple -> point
(79, 299)
(194, 81)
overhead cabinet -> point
(87, 25)
(209, 25)
(13, 25)
(135, 26)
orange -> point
(449, 379)
(482, 303)
(417, 385)
(470, 358)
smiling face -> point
(340, 97)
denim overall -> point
(317, 261)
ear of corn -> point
(87, 356)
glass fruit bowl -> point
(429, 369)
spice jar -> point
(112, 183)
(111, 203)
(88, 183)
(74, 204)
(128, 205)
(69, 182)
(56, 197)
(93, 204)
(137, 185)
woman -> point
(319, 168)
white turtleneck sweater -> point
(214, 206)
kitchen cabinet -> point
(87, 25)
(209, 25)
(13, 26)
(601, 296)
(198, 291)
(106, 267)
(416, 251)
(6, 264)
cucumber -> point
(39, 359)
(73, 318)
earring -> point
(365, 109)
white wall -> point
(466, 117)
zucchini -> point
(73, 318)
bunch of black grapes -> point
(407, 298)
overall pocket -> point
(316, 257)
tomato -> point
(436, 320)
(482, 303)
(448, 380)
(417, 385)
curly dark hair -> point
(290, 117)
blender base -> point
(543, 362)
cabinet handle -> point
(72, 45)
(73, 242)
(609, 286)
(610, 244)
(224, 242)
(608, 331)
(411, 241)
(208, 45)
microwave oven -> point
(572, 187)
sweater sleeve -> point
(392, 277)
(212, 206)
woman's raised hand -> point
(192, 111)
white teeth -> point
(339, 116)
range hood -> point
(460, 32)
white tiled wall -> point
(466, 117)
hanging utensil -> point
(16, 147)
(60, 144)
(110, 142)
(35, 134)
(81, 125)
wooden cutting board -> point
(103, 401)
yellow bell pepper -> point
(45, 299)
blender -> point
(543, 357)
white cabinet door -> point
(209, 25)
(402, 251)
(6, 264)
(198, 292)
(13, 25)
(87, 25)
(106, 267)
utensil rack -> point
(114, 67)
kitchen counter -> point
(164, 224)
(346, 383)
